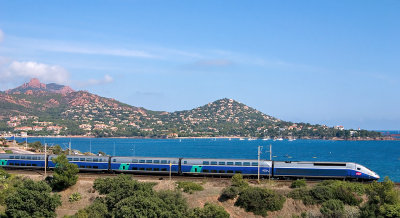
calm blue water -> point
(382, 157)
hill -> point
(52, 109)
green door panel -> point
(124, 166)
(196, 169)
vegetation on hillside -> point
(83, 113)
(124, 197)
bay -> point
(383, 157)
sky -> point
(321, 62)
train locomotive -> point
(197, 166)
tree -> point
(65, 173)
(57, 150)
(32, 199)
(383, 200)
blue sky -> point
(327, 62)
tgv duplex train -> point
(198, 166)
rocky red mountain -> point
(35, 86)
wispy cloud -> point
(1, 35)
(93, 82)
(214, 62)
(148, 93)
(99, 51)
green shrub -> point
(189, 187)
(332, 208)
(209, 211)
(260, 201)
(98, 209)
(121, 187)
(8, 151)
(302, 194)
(322, 193)
(355, 187)
(348, 197)
(75, 197)
(298, 183)
(229, 193)
(390, 210)
(328, 190)
(351, 211)
(238, 181)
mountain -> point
(52, 109)
(35, 86)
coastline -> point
(385, 138)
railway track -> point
(94, 175)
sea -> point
(383, 157)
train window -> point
(76, 159)
(213, 162)
(134, 168)
(16, 164)
(229, 163)
(206, 163)
(222, 171)
(11, 157)
(22, 157)
(95, 167)
(22, 164)
(149, 169)
(149, 161)
(156, 161)
(95, 159)
(34, 158)
(163, 169)
(213, 171)
(114, 160)
(135, 161)
(12, 164)
(141, 168)
(81, 159)
(358, 168)
(34, 165)
(28, 157)
(246, 163)
(89, 159)
(230, 171)
(16, 157)
(81, 166)
(238, 163)
(156, 169)
(142, 161)
(205, 171)
(238, 171)
(164, 161)
(88, 166)
(70, 158)
(254, 163)
(221, 163)
(185, 162)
